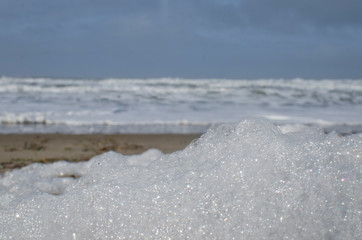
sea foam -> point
(238, 181)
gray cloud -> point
(264, 15)
(210, 38)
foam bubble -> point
(238, 181)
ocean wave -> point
(123, 101)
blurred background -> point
(111, 66)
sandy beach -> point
(18, 150)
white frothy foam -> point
(238, 181)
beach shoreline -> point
(19, 150)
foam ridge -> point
(246, 180)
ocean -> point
(171, 105)
(291, 170)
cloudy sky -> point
(181, 38)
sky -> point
(181, 38)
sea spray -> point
(238, 181)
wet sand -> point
(18, 150)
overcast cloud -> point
(189, 38)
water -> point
(246, 180)
(33, 105)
